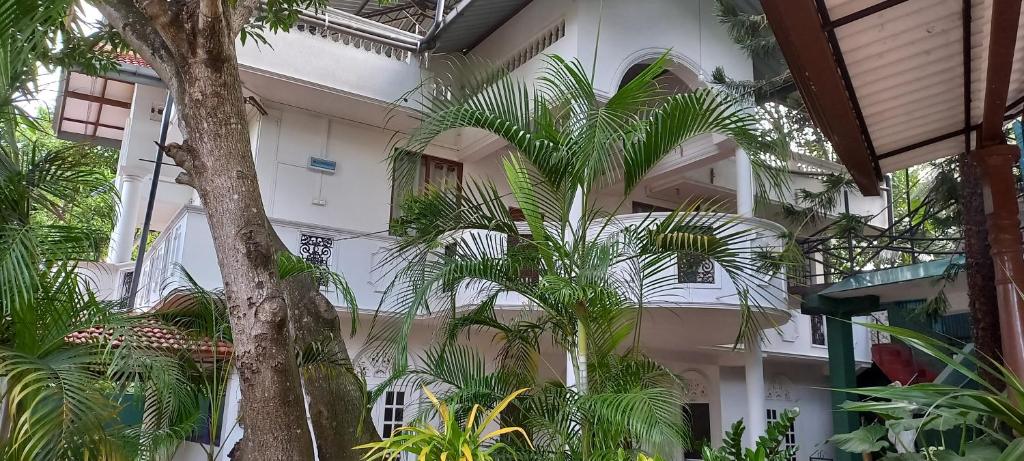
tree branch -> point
(211, 14)
(142, 35)
(242, 14)
(163, 20)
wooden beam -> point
(801, 36)
(97, 99)
(95, 124)
(1001, 45)
(861, 14)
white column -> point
(744, 184)
(756, 420)
(122, 239)
(575, 224)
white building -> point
(327, 93)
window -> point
(394, 413)
(524, 252)
(316, 250)
(699, 416)
(641, 207)
(695, 269)
(818, 330)
(434, 171)
(789, 438)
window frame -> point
(423, 170)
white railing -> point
(535, 47)
(352, 254)
(323, 30)
(700, 283)
(812, 165)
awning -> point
(93, 109)
(895, 83)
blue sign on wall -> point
(322, 164)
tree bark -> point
(984, 309)
(192, 49)
(191, 46)
(217, 160)
(338, 412)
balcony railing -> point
(696, 281)
(323, 30)
(320, 245)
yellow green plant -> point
(453, 441)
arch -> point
(686, 69)
(696, 383)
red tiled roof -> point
(131, 58)
(153, 335)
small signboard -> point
(322, 164)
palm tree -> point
(588, 274)
(64, 398)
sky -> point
(49, 80)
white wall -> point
(791, 385)
(626, 33)
(356, 196)
(301, 56)
(794, 340)
(788, 385)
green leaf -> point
(1014, 452)
(867, 439)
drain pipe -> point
(356, 26)
(428, 39)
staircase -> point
(898, 363)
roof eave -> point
(811, 60)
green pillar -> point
(842, 371)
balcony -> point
(703, 295)
(347, 252)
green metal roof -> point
(881, 277)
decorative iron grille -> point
(695, 269)
(818, 337)
(126, 285)
(316, 250)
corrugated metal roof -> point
(905, 72)
(906, 67)
(468, 22)
(476, 22)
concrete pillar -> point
(744, 184)
(1000, 191)
(756, 419)
(122, 239)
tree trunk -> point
(191, 45)
(217, 160)
(984, 309)
(334, 389)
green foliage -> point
(978, 410)
(592, 273)
(468, 441)
(64, 398)
(768, 447)
(749, 29)
(867, 439)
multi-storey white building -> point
(327, 87)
